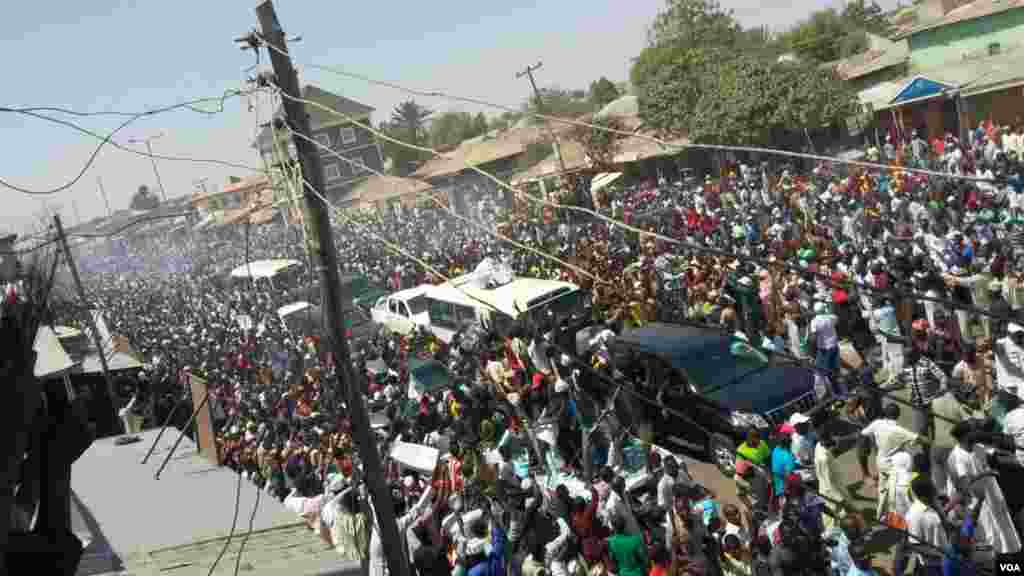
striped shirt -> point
(926, 381)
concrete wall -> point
(1002, 107)
(947, 44)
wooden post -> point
(205, 440)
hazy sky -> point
(105, 55)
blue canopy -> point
(920, 88)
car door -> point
(398, 316)
(682, 424)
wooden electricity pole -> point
(88, 313)
(321, 242)
(528, 72)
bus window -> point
(464, 314)
(442, 314)
(418, 305)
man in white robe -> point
(924, 525)
(966, 463)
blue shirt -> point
(954, 563)
(856, 571)
(783, 464)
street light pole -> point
(156, 172)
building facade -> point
(338, 134)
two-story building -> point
(964, 68)
(337, 134)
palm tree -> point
(408, 118)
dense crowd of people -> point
(538, 470)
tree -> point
(480, 125)
(684, 38)
(143, 199)
(704, 76)
(558, 102)
(600, 145)
(408, 119)
(602, 91)
(753, 100)
(828, 35)
(690, 24)
(450, 128)
(407, 125)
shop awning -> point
(920, 88)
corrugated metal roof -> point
(508, 143)
(976, 9)
(967, 75)
(573, 154)
(376, 188)
(879, 95)
(871, 61)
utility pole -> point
(103, 192)
(322, 243)
(149, 149)
(528, 72)
(88, 311)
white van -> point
(279, 275)
(464, 301)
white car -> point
(402, 311)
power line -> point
(477, 225)
(764, 263)
(663, 143)
(190, 105)
(104, 140)
(151, 156)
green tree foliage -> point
(144, 199)
(831, 34)
(404, 160)
(703, 75)
(450, 128)
(752, 99)
(689, 24)
(602, 91)
(558, 102)
(600, 145)
(409, 118)
(408, 124)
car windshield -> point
(418, 305)
(721, 361)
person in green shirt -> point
(627, 551)
(754, 449)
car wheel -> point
(722, 453)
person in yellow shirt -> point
(754, 449)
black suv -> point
(719, 383)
